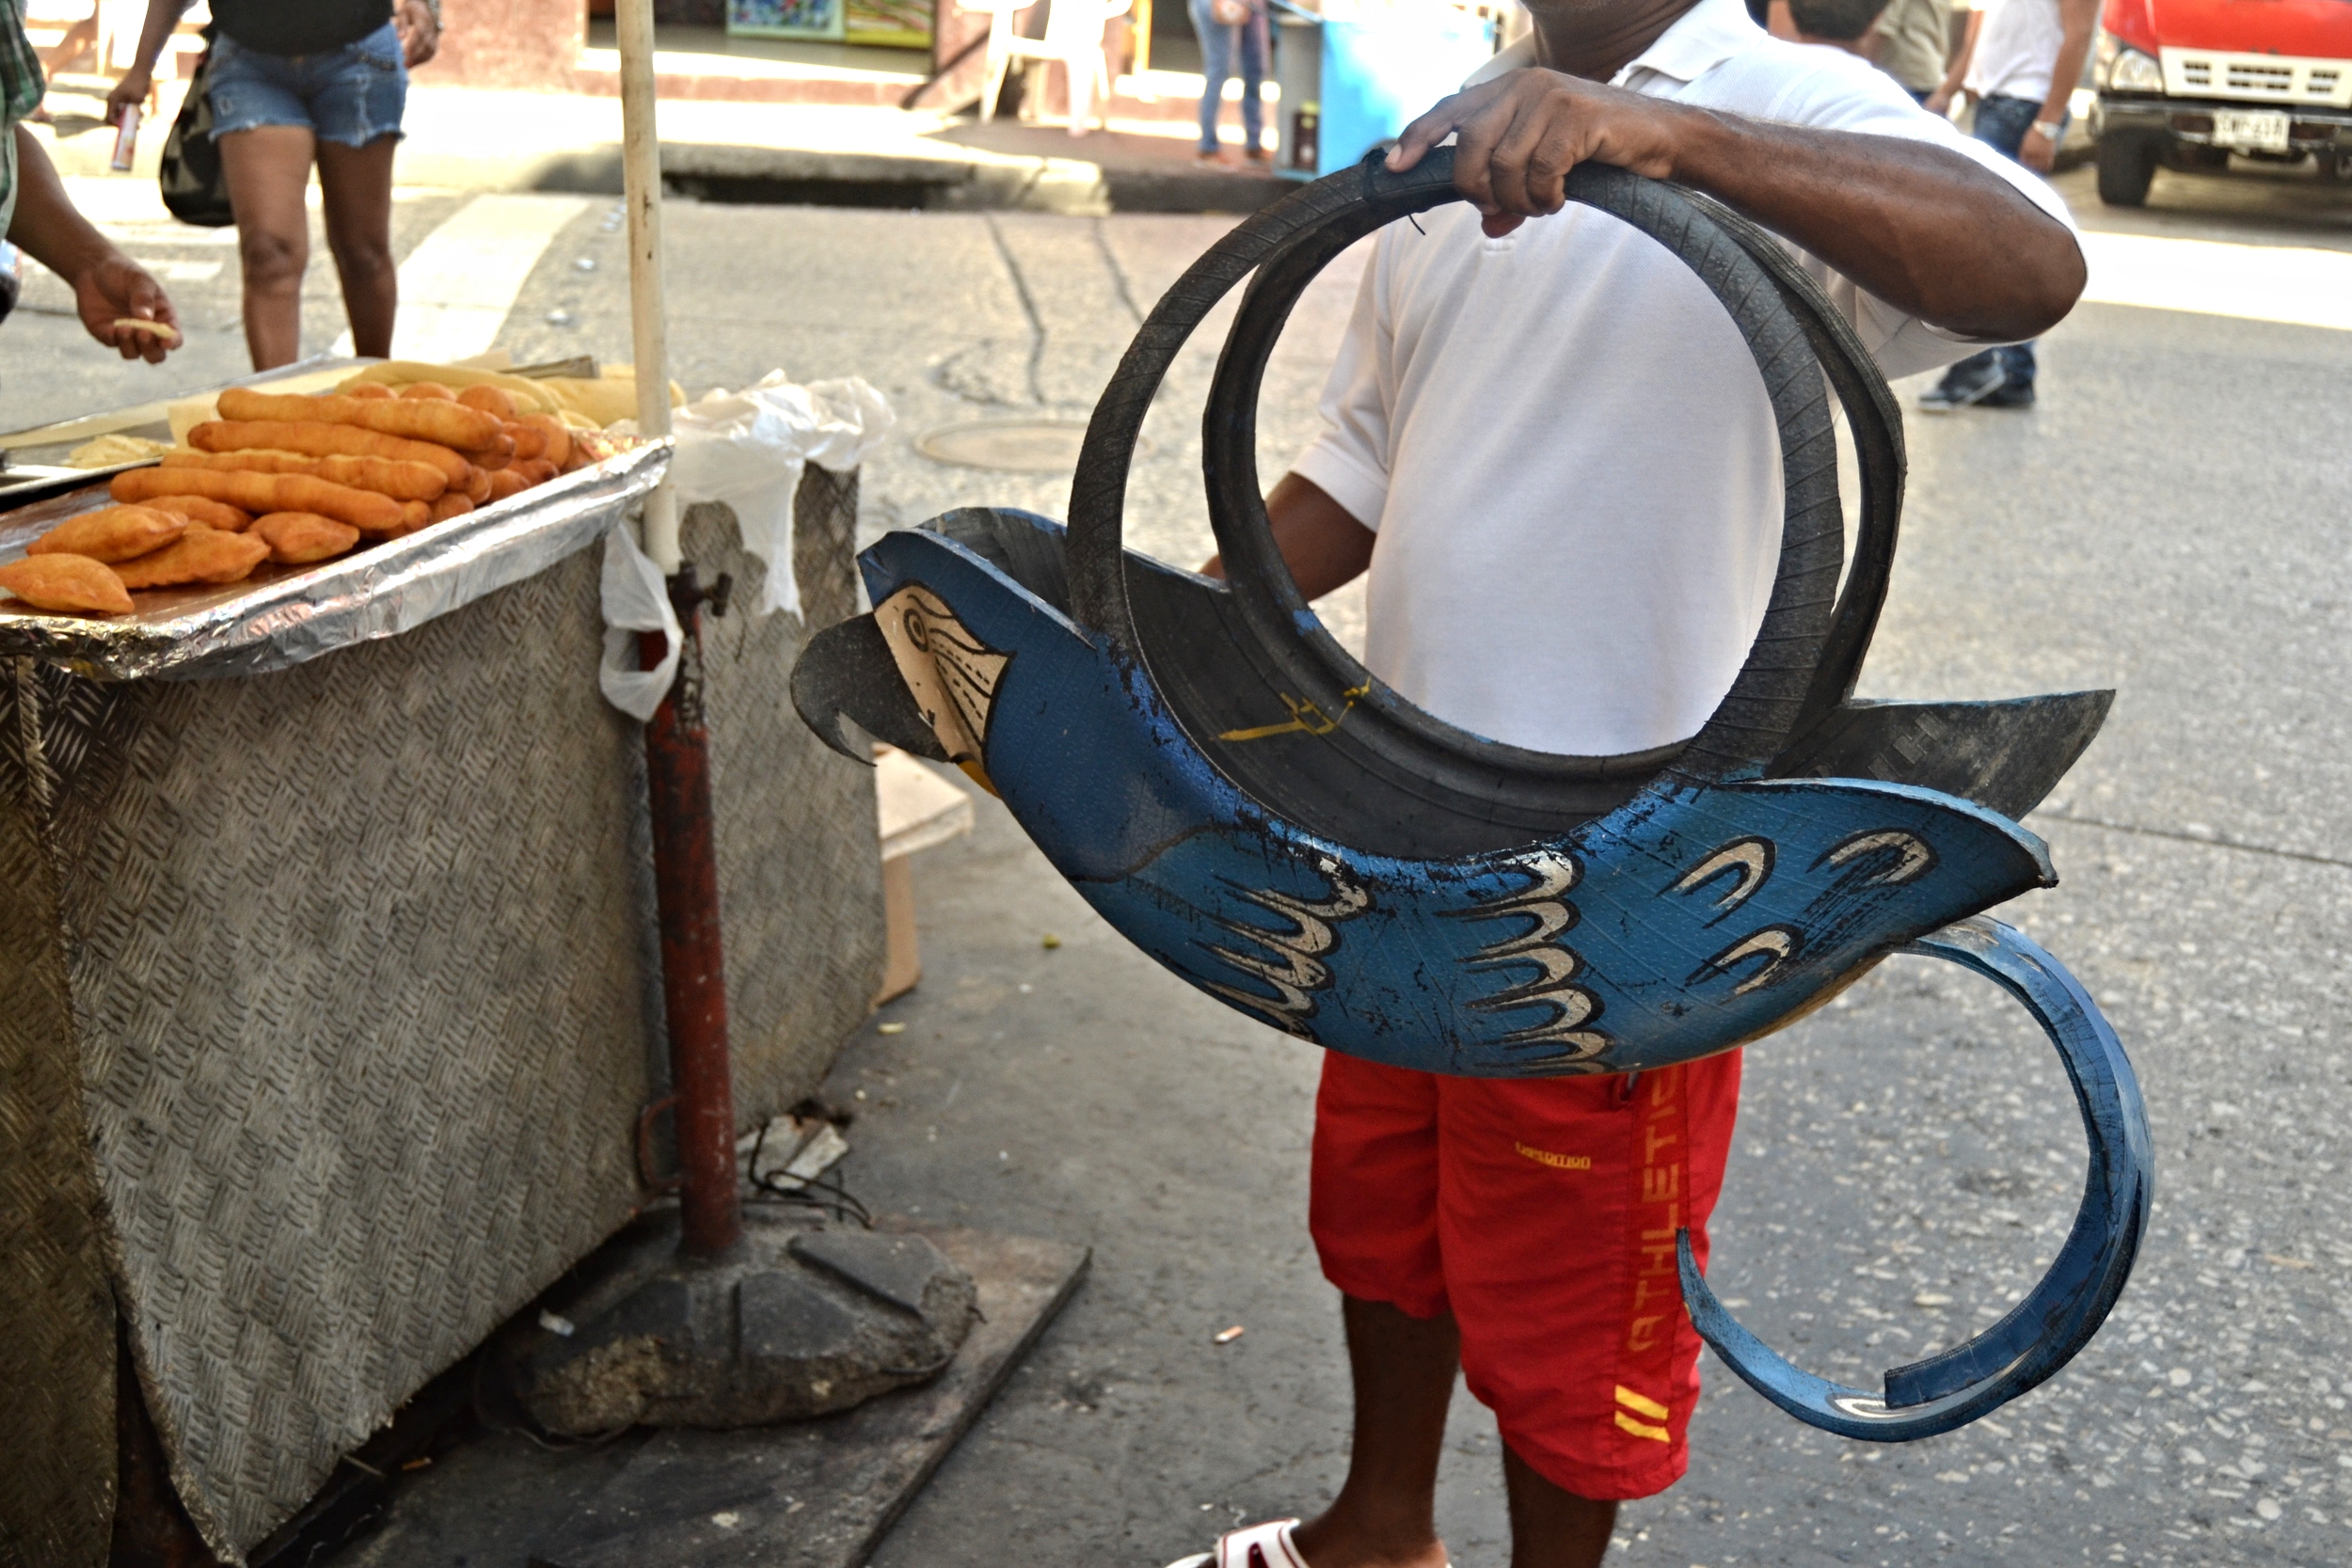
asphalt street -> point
(2171, 522)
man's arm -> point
(1941, 99)
(108, 285)
(2078, 17)
(1921, 226)
(1320, 542)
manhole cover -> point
(1014, 446)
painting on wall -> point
(899, 24)
(790, 19)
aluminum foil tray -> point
(284, 616)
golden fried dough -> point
(490, 399)
(258, 493)
(402, 482)
(299, 538)
(454, 504)
(201, 555)
(112, 533)
(319, 438)
(212, 513)
(66, 582)
(556, 437)
(447, 424)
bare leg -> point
(71, 48)
(268, 169)
(1550, 1527)
(357, 186)
(1385, 1516)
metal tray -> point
(284, 616)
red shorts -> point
(1541, 1213)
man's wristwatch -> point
(2049, 130)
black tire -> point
(2127, 166)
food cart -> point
(329, 985)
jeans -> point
(1216, 63)
(2002, 124)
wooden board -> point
(821, 1494)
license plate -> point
(2251, 130)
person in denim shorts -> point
(292, 82)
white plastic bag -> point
(635, 600)
(749, 448)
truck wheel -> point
(2127, 166)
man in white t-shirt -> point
(2019, 60)
(1554, 452)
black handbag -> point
(195, 187)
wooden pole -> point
(641, 179)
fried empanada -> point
(112, 533)
(75, 584)
(202, 554)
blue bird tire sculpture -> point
(1242, 800)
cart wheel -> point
(2127, 166)
(2041, 1333)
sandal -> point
(1267, 1545)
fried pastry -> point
(72, 584)
(112, 533)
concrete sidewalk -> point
(834, 154)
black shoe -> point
(1964, 385)
(2015, 394)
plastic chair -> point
(1073, 34)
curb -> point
(798, 176)
(734, 172)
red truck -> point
(2184, 83)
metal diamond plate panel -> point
(326, 1009)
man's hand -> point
(1522, 132)
(419, 32)
(2037, 151)
(113, 289)
(1921, 226)
(108, 287)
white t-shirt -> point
(1565, 444)
(2017, 46)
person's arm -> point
(140, 81)
(1940, 100)
(2038, 149)
(418, 22)
(108, 285)
(1320, 542)
(1923, 227)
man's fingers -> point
(1449, 114)
(1518, 165)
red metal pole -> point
(693, 976)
